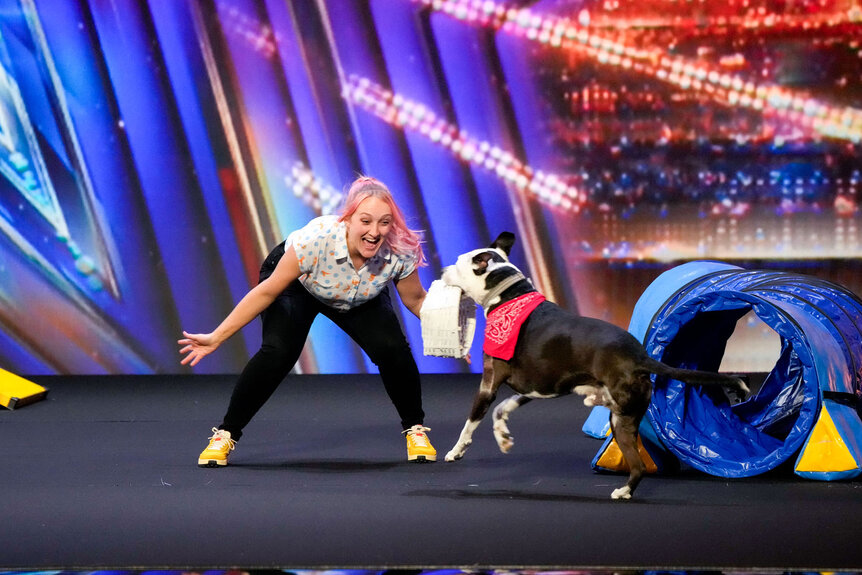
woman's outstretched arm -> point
(198, 345)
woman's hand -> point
(197, 346)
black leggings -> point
(374, 326)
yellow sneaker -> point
(216, 453)
(419, 447)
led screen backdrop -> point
(151, 153)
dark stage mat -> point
(102, 474)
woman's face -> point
(367, 227)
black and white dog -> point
(551, 352)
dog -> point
(555, 353)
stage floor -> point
(102, 474)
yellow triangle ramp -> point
(826, 455)
(612, 459)
(15, 391)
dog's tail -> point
(696, 377)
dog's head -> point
(481, 273)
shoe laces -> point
(220, 435)
(417, 434)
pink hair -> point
(401, 239)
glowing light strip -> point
(403, 113)
(677, 15)
(839, 122)
(259, 36)
(321, 197)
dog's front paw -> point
(454, 455)
(623, 492)
(457, 452)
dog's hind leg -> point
(493, 376)
(501, 416)
(625, 428)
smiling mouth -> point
(372, 242)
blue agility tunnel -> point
(807, 407)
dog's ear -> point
(504, 241)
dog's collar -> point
(501, 287)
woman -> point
(341, 267)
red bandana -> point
(504, 323)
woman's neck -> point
(358, 261)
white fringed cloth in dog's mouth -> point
(448, 318)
